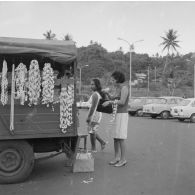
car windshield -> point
(152, 100)
(131, 100)
(184, 103)
(139, 100)
(82, 98)
(159, 101)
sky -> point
(103, 22)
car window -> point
(179, 100)
(82, 98)
(131, 100)
(184, 102)
(149, 101)
(193, 104)
(137, 101)
(152, 100)
(161, 101)
(171, 101)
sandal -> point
(113, 162)
(121, 163)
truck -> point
(31, 127)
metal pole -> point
(130, 49)
(194, 80)
(130, 71)
(80, 82)
(148, 80)
(155, 74)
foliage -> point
(170, 41)
(49, 35)
(67, 37)
(171, 72)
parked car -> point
(83, 101)
(135, 107)
(186, 110)
(162, 107)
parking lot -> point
(160, 155)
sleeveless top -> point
(96, 116)
(124, 108)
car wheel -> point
(192, 118)
(153, 116)
(181, 119)
(165, 115)
(16, 161)
(139, 113)
(131, 113)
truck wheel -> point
(16, 161)
(192, 118)
(165, 115)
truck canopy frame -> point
(19, 49)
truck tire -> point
(192, 118)
(16, 161)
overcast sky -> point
(103, 22)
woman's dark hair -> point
(98, 87)
(118, 76)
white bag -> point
(84, 162)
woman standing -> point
(120, 98)
(94, 117)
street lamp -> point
(131, 48)
(80, 76)
(148, 80)
(194, 74)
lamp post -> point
(131, 48)
(80, 76)
(194, 73)
(148, 80)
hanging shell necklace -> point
(66, 102)
(21, 83)
(34, 83)
(48, 84)
(4, 84)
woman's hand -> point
(88, 120)
(106, 103)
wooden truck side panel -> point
(34, 122)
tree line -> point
(171, 71)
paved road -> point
(161, 161)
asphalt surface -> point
(160, 155)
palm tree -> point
(49, 35)
(67, 37)
(170, 42)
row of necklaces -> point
(28, 87)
